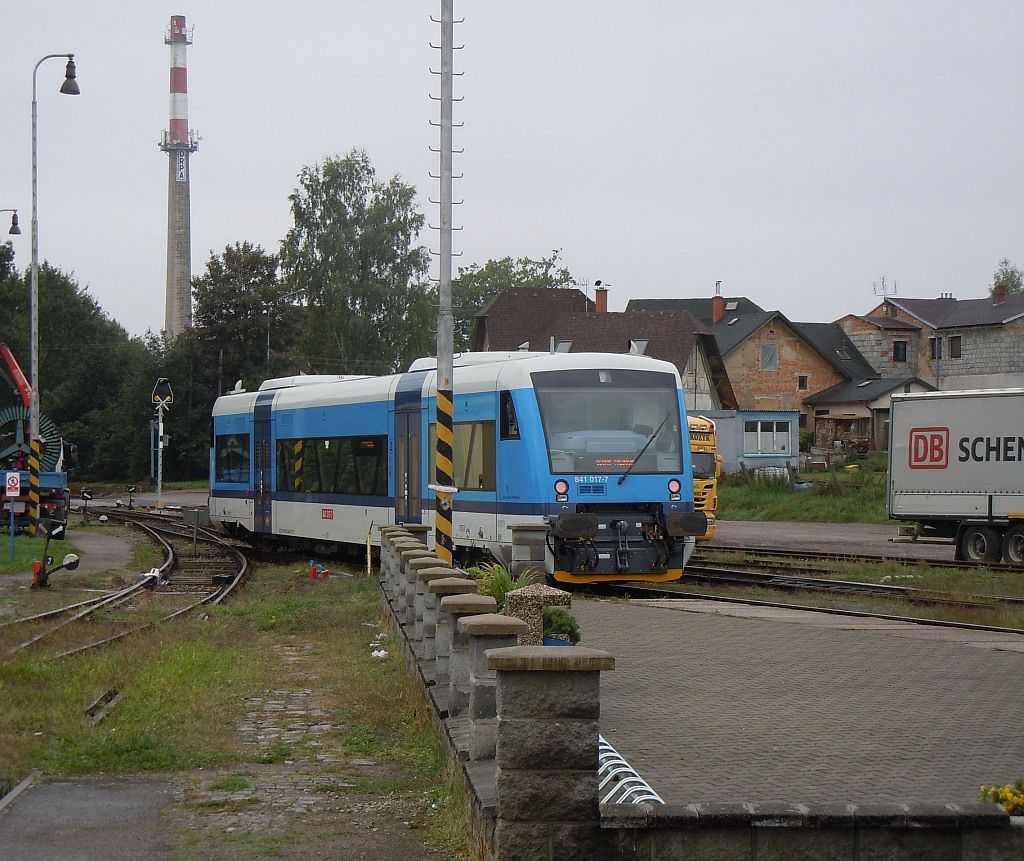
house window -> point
(899, 351)
(766, 437)
(954, 346)
(935, 348)
(801, 382)
(769, 357)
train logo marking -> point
(327, 514)
(929, 448)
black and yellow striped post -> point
(297, 464)
(35, 455)
(443, 545)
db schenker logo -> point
(929, 448)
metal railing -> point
(620, 779)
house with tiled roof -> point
(566, 320)
(773, 363)
(816, 369)
(951, 343)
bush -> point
(495, 580)
(560, 622)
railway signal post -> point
(163, 397)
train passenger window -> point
(231, 458)
(509, 422)
(351, 465)
(474, 455)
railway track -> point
(191, 576)
(630, 591)
(765, 554)
(826, 595)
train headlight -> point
(674, 488)
(562, 490)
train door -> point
(408, 447)
(408, 503)
(262, 475)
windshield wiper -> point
(640, 454)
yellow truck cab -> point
(707, 469)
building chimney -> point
(601, 298)
(998, 294)
(717, 308)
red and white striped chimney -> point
(178, 39)
(179, 142)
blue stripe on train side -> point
(409, 391)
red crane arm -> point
(16, 376)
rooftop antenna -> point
(883, 288)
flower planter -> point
(556, 641)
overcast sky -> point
(797, 151)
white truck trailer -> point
(956, 468)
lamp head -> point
(70, 85)
(15, 230)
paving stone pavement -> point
(710, 707)
(292, 715)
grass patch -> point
(27, 548)
(185, 688)
(231, 783)
(857, 498)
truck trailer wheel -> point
(1013, 546)
(980, 544)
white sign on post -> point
(13, 484)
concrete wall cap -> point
(540, 590)
(434, 572)
(469, 604)
(492, 623)
(418, 563)
(551, 658)
(419, 552)
(452, 586)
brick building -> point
(950, 343)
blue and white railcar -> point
(592, 445)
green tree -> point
(84, 358)
(246, 318)
(477, 285)
(1008, 276)
(351, 255)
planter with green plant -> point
(560, 627)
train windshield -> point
(609, 420)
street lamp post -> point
(15, 229)
(68, 88)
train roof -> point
(474, 372)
